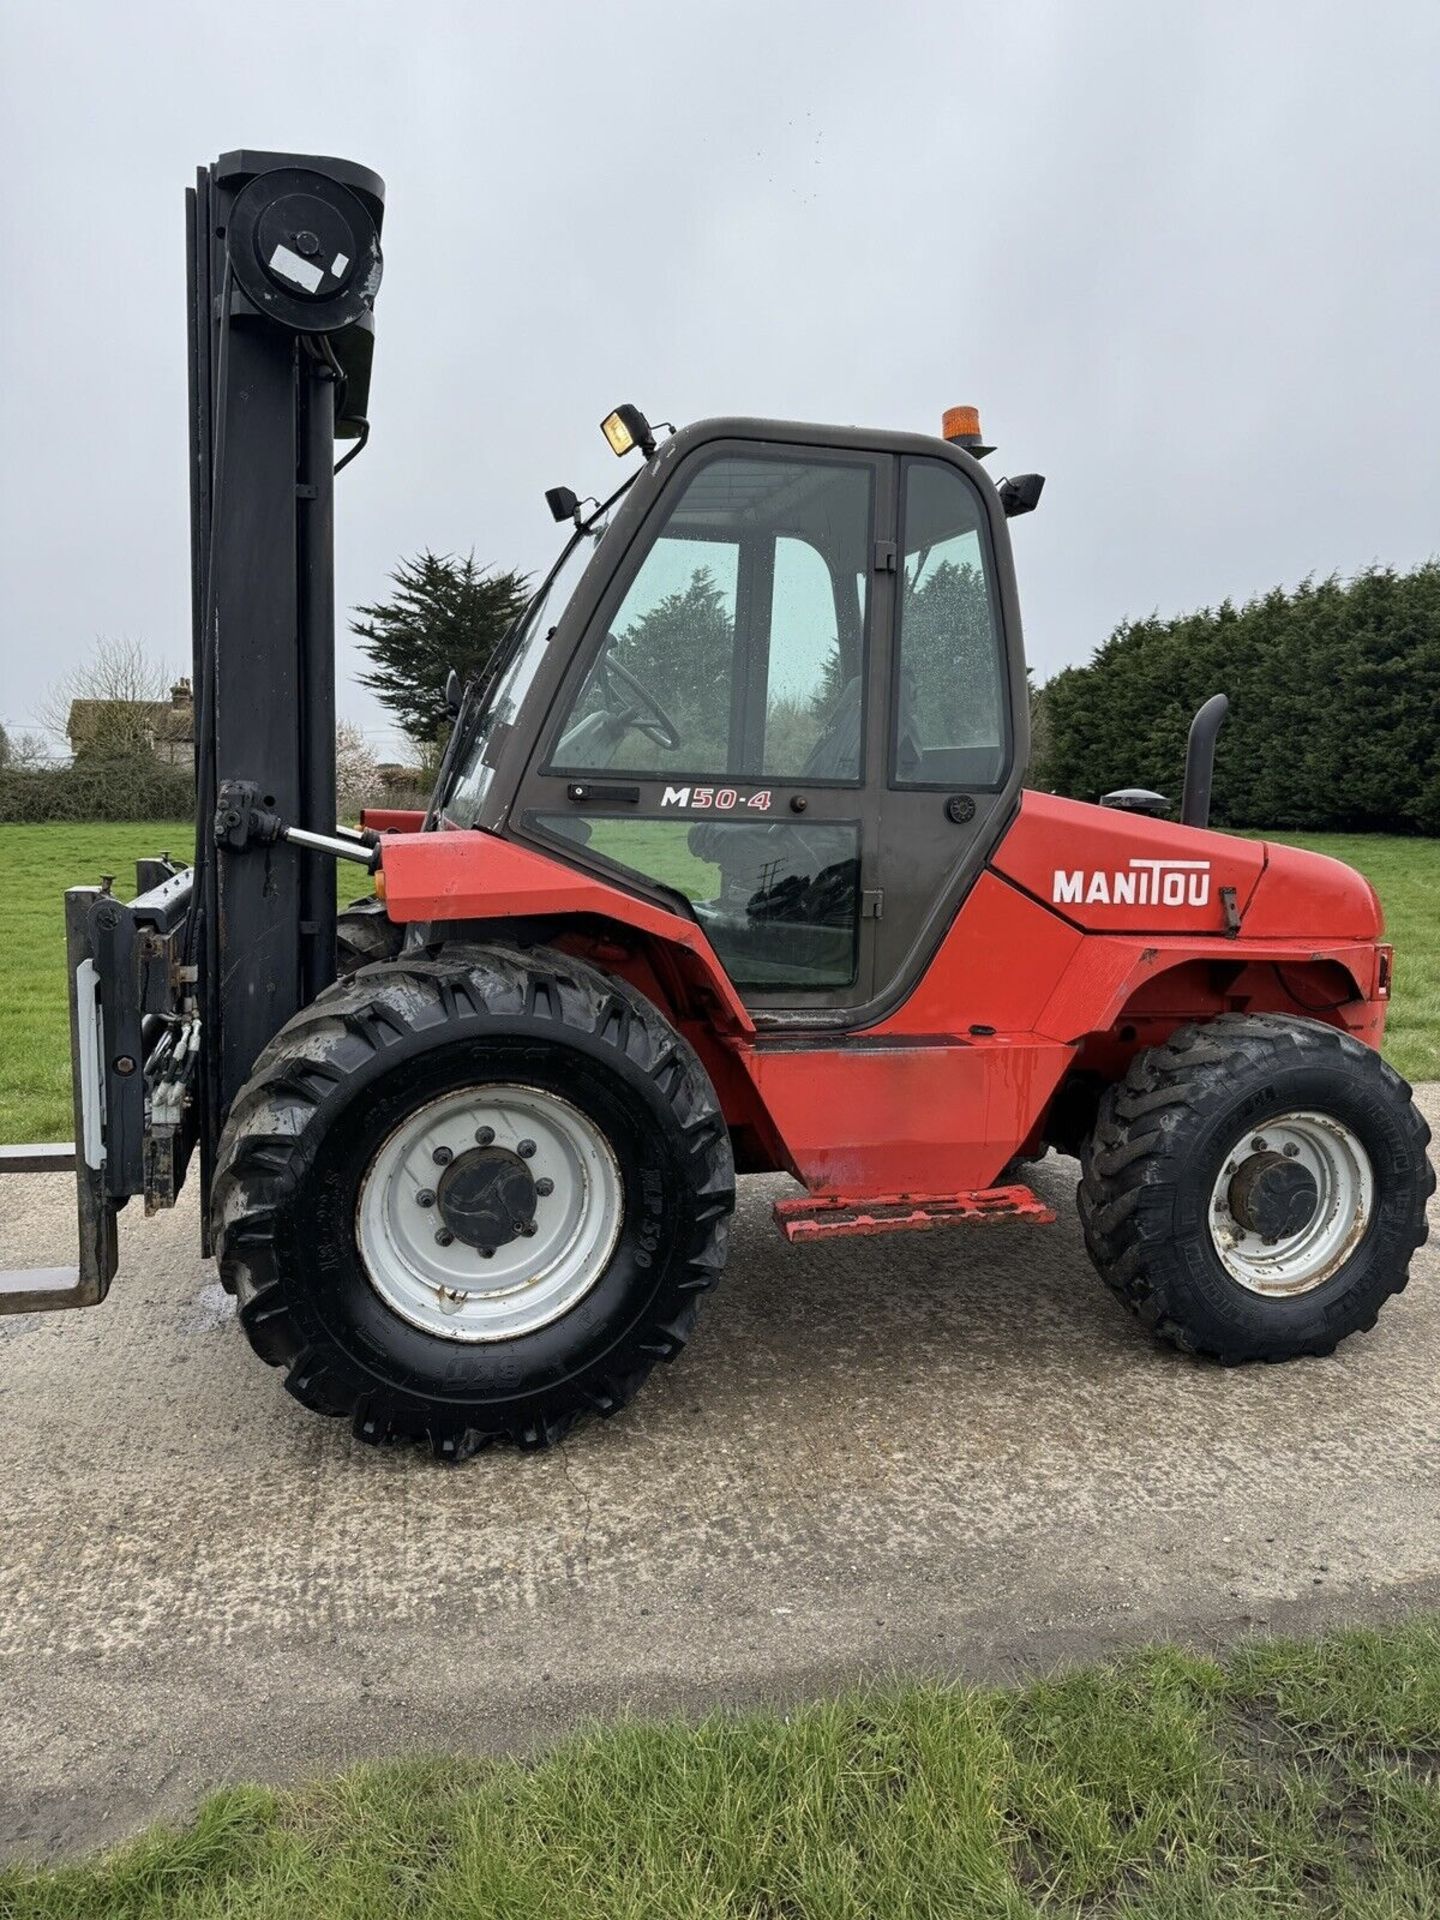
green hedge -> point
(135, 789)
(1334, 706)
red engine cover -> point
(1309, 896)
(1119, 872)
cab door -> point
(717, 734)
(954, 695)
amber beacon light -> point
(961, 427)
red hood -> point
(1115, 872)
(1310, 896)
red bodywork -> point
(392, 819)
(1042, 978)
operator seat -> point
(741, 851)
(836, 755)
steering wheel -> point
(659, 727)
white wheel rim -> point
(1345, 1198)
(458, 1291)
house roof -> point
(162, 720)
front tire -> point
(470, 1197)
(1255, 1188)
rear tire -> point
(364, 934)
(350, 1308)
(1168, 1199)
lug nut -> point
(443, 1237)
(425, 1198)
(529, 1229)
(487, 1253)
(526, 1149)
(484, 1136)
(442, 1156)
(1292, 1151)
(544, 1187)
(1257, 1145)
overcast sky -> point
(1186, 258)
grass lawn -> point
(1296, 1779)
(38, 863)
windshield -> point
(489, 710)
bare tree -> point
(355, 780)
(122, 686)
(28, 751)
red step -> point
(826, 1216)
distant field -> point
(38, 863)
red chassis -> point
(1090, 935)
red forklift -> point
(729, 868)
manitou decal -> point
(1145, 883)
(718, 799)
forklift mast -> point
(284, 263)
(174, 994)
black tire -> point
(1159, 1145)
(364, 934)
(338, 1079)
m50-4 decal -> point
(717, 799)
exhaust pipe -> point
(1200, 761)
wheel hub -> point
(1273, 1196)
(487, 1197)
(489, 1212)
(1291, 1202)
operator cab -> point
(784, 681)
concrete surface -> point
(944, 1453)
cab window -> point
(779, 899)
(948, 724)
(737, 650)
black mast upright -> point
(284, 264)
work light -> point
(627, 427)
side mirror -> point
(454, 693)
(1021, 493)
(562, 502)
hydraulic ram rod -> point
(367, 857)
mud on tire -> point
(1160, 1143)
(337, 1082)
(363, 935)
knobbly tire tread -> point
(298, 1089)
(1134, 1161)
(365, 935)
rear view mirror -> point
(453, 693)
(1021, 493)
